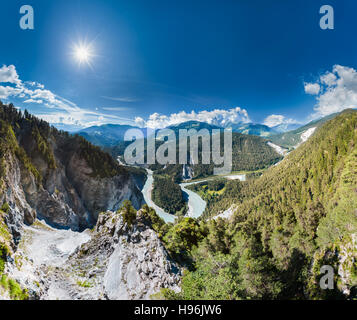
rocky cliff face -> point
(60, 178)
(115, 261)
(69, 197)
(126, 262)
(65, 181)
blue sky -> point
(231, 60)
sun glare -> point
(83, 53)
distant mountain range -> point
(285, 135)
(109, 135)
(253, 129)
(106, 135)
(284, 127)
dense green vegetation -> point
(296, 215)
(29, 137)
(44, 148)
(167, 194)
(157, 223)
(182, 236)
(249, 153)
(128, 212)
(13, 288)
(102, 164)
(7, 284)
(4, 252)
(219, 194)
(292, 138)
(8, 143)
(179, 237)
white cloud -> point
(46, 95)
(312, 88)
(218, 117)
(33, 101)
(140, 122)
(9, 74)
(60, 110)
(328, 79)
(338, 91)
(277, 119)
(35, 84)
(121, 99)
(8, 91)
(115, 108)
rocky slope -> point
(294, 137)
(116, 260)
(60, 178)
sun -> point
(83, 53)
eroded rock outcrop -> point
(62, 179)
(116, 260)
(56, 176)
(125, 261)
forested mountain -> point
(64, 178)
(111, 136)
(293, 138)
(107, 135)
(253, 129)
(286, 224)
(285, 127)
(249, 153)
(197, 125)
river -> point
(196, 205)
(147, 189)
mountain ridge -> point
(61, 178)
(285, 225)
(109, 135)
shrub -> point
(4, 251)
(128, 212)
(5, 207)
(182, 236)
(157, 223)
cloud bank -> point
(218, 117)
(337, 91)
(277, 119)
